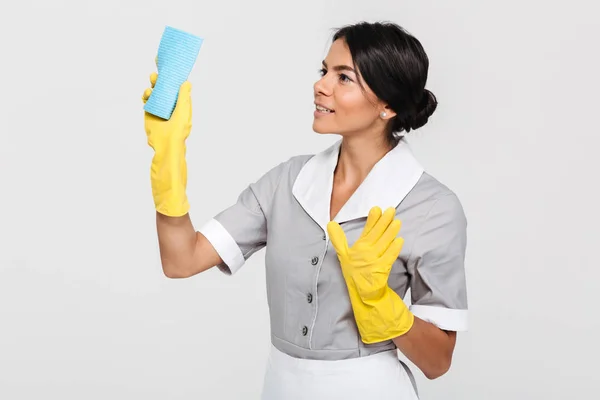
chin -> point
(321, 128)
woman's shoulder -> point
(430, 193)
(292, 165)
(287, 169)
(298, 161)
(431, 187)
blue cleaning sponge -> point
(177, 53)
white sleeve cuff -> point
(444, 318)
(225, 245)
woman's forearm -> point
(176, 241)
(428, 347)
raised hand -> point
(379, 312)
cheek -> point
(353, 104)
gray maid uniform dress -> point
(316, 349)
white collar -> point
(386, 185)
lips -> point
(323, 109)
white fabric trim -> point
(444, 318)
(386, 185)
(225, 245)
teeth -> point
(323, 109)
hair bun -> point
(425, 109)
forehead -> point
(339, 54)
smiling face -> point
(342, 106)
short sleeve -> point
(436, 266)
(240, 230)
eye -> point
(344, 78)
(322, 71)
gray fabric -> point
(310, 312)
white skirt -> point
(381, 376)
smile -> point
(323, 109)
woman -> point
(336, 266)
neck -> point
(358, 155)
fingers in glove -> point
(393, 251)
(146, 95)
(372, 218)
(338, 238)
(184, 99)
(148, 91)
(380, 226)
(387, 237)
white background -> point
(85, 311)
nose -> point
(322, 87)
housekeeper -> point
(347, 231)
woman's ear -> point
(387, 113)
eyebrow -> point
(340, 67)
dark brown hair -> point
(395, 66)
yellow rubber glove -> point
(379, 312)
(168, 172)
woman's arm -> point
(379, 311)
(437, 288)
(428, 347)
(183, 251)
